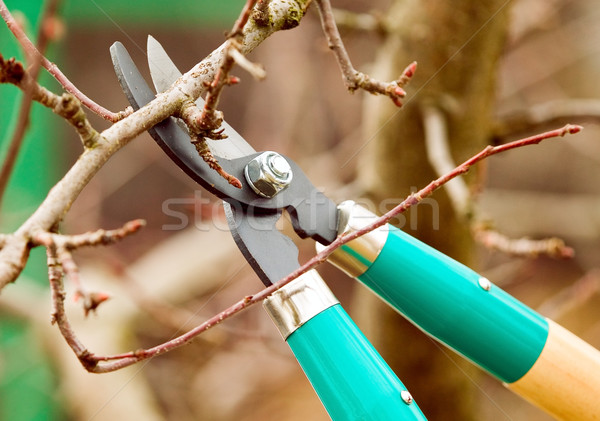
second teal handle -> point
(450, 302)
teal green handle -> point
(452, 303)
(350, 377)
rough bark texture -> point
(457, 46)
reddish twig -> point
(60, 247)
(204, 124)
(100, 364)
(59, 317)
(92, 238)
(33, 52)
(354, 79)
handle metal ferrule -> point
(298, 302)
(351, 379)
(357, 256)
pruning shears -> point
(532, 355)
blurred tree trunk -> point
(457, 46)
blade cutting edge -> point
(164, 73)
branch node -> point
(11, 71)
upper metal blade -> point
(164, 73)
(162, 69)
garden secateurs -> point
(533, 356)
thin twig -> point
(61, 246)
(523, 247)
(59, 316)
(546, 114)
(354, 79)
(32, 51)
(92, 238)
(66, 106)
(256, 70)
(440, 158)
(102, 364)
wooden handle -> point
(565, 380)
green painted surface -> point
(152, 12)
(350, 377)
(443, 297)
(27, 382)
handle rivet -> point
(406, 397)
(484, 283)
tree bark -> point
(457, 46)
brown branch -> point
(92, 238)
(417, 197)
(16, 141)
(59, 317)
(33, 52)
(256, 70)
(36, 230)
(101, 364)
(524, 247)
(90, 299)
(61, 246)
(354, 79)
(66, 106)
(546, 114)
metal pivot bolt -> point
(268, 174)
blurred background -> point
(184, 266)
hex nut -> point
(268, 174)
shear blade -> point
(164, 73)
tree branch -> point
(204, 124)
